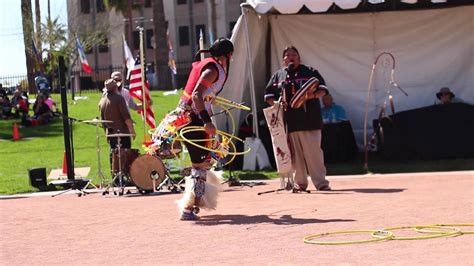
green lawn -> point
(43, 146)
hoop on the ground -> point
(449, 226)
(455, 231)
(383, 235)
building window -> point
(198, 1)
(182, 2)
(149, 39)
(85, 7)
(104, 46)
(183, 35)
(100, 6)
(147, 3)
(136, 40)
(199, 28)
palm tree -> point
(38, 25)
(161, 45)
(38, 41)
(27, 21)
(159, 24)
(54, 36)
(125, 8)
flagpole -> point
(123, 56)
(171, 61)
(201, 43)
(142, 66)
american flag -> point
(136, 92)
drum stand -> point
(286, 183)
(120, 175)
(168, 182)
(99, 167)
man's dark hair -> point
(290, 48)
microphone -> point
(290, 69)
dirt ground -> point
(246, 228)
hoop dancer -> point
(207, 77)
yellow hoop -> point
(233, 156)
(218, 132)
(309, 238)
(226, 102)
(420, 229)
(455, 231)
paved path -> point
(246, 228)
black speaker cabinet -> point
(38, 177)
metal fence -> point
(85, 82)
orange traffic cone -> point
(64, 164)
(16, 132)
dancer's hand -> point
(210, 129)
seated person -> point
(331, 112)
(3, 92)
(20, 104)
(42, 113)
(52, 106)
(6, 107)
(445, 96)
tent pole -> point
(252, 81)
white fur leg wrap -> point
(209, 200)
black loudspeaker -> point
(38, 178)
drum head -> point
(300, 97)
(142, 170)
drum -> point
(127, 158)
(300, 97)
(146, 168)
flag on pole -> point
(82, 57)
(129, 61)
(35, 52)
(136, 92)
(171, 60)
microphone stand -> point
(232, 181)
(79, 185)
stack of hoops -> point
(167, 137)
(425, 232)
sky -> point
(12, 53)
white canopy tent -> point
(433, 47)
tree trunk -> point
(129, 15)
(161, 47)
(38, 41)
(27, 21)
(49, 10)
(38, 25)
